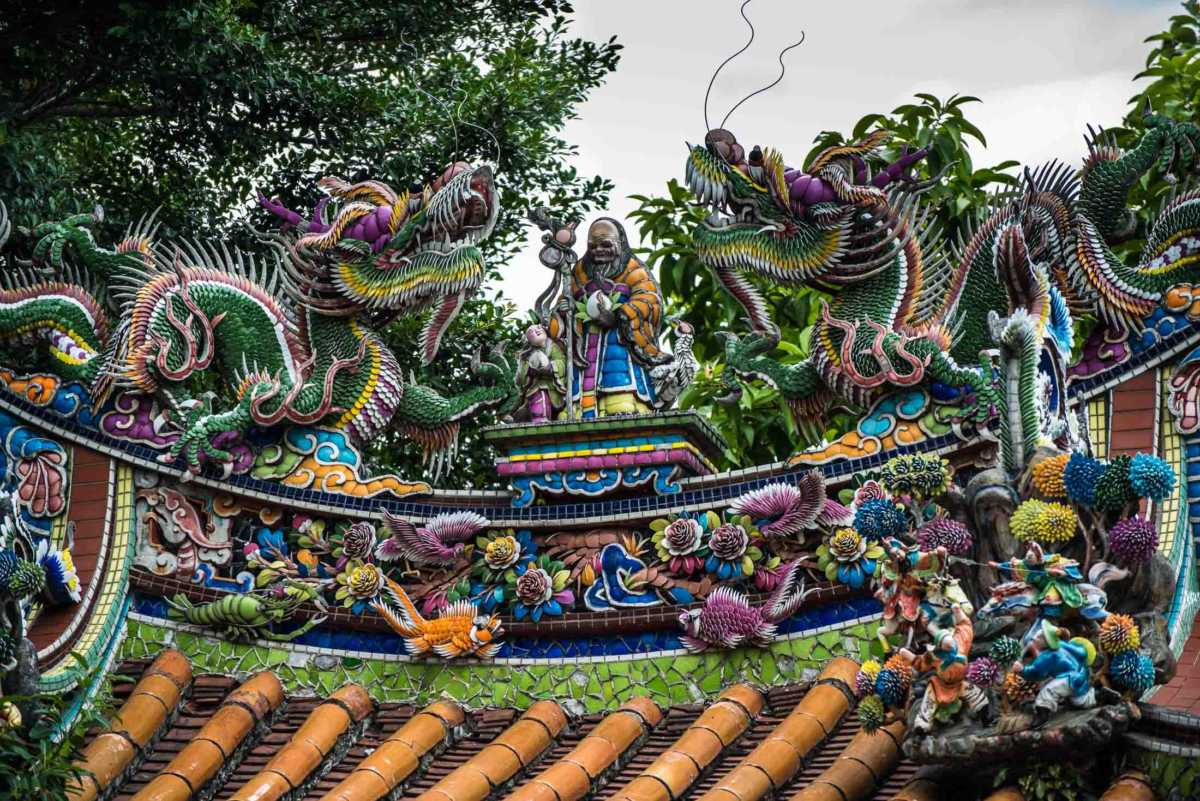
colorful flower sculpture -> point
(1018, 690)
(864, 680)
(1133, 540)
(848, 557)
(880, 518)
(918, 475)
(499, 551)
(1080, 477)
(1113, 490)
(359, 584)
(680, 542)
(871, 713)
(20, 578)
(1151, 477)
(539, 588)
(1043, 522)
(358, 542)
(894, 681)
(942, 532)
(1118, 634)
(1132, 671)
(728, 558)
(1049, 476)
(1005, 650)
(983, 672)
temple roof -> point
(248, 740)
(179, 736)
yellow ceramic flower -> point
(502, 552)
(1039, 521)
(846, 545)
(360, 581)
(1048, 476)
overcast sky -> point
(1044, 69)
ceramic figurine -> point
(948, 690)
(541, 375)
(902, 576)
(618, 321)
(1063, 667)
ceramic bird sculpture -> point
(459, 631)
(672, 378)
(438, 543)
(727, 620)
(785, 510)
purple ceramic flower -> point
(728, 542)
(947, 533)
(682, 536)
(1133, 539)
(983, 672)
(359, 541)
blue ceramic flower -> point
(272, 539)
(1151, 477)
(727, 546)
(1080, 477)
(879, 518)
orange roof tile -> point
(573, 776)
(148, 707)
(795, 743)
(675, 770)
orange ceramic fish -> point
(460, 630)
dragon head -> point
(826, 225)
(393, 253)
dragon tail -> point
(1122, 294)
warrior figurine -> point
(1064, 668)
(902, 577)
(948, 689)
(1055, 578)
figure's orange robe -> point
(615, 360)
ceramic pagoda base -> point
(600, 456)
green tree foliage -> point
(38, 763)
(758, 428)
(189, 107)
(1173, 67)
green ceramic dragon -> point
(226, 344)
(906, 309)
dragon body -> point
(906, 308)
(227, 344)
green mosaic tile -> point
(597, 686)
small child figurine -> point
(540, 374)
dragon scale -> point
(226, 345)
(905, 306)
